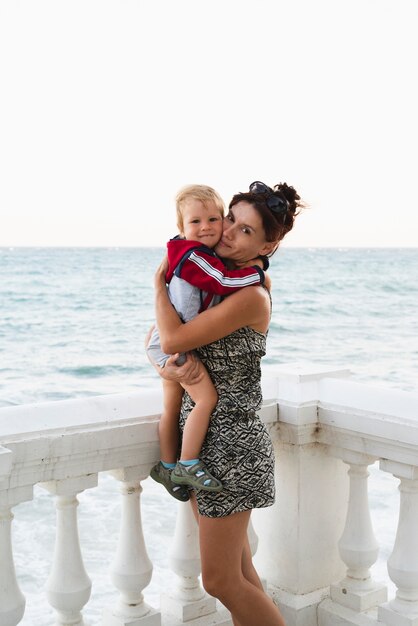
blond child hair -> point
(199, 192)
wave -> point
(95, 371)
(5, 402)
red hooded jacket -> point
(199, 266)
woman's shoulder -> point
(250, 306)
(257, 294)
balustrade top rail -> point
(64, 444)
(28, 420)
(376, 421)
(72, 437)
(69, 438)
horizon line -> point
(135, 247)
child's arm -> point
(209, 273)
(246, 307)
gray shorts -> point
(187, 301)
(156, 355)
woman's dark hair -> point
(277, 206)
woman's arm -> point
(190, 372)
(248, 307)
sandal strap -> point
(204, 476)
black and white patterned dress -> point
(237, 448)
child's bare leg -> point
(168, 429)
(205, 397)
(169, 441)
(190, 470)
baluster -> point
(12, 601)
(252, 538)
(6, 462)
(358, 546)
(189, 600)
(68, 587)
(253, 541)
(403, 562)
(131, 570)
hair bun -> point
(290, 194)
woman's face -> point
(243, 236)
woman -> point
(230, 339)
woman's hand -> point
(189, 373)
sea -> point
(72, 325)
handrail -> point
(322, 423)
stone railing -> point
(315, 545)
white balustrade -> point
(184, 555)
(403, 562)
(64, 445)
(253, 541)
(12, 600)
(358, 546)
(131, 570)
(68, 587)
(297, 551)
(252, 538)
(188, 600)
(6, 458)
(370, 423)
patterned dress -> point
(237, 449)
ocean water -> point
(72, 324)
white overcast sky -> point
(107, 107)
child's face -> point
(201, 222)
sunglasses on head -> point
(274, 203)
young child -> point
(196, 279)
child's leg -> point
(169, 440)
(168, 429)
(205, 397)
(190, 470)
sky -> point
(108, 107)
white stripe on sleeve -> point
(226, 281)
